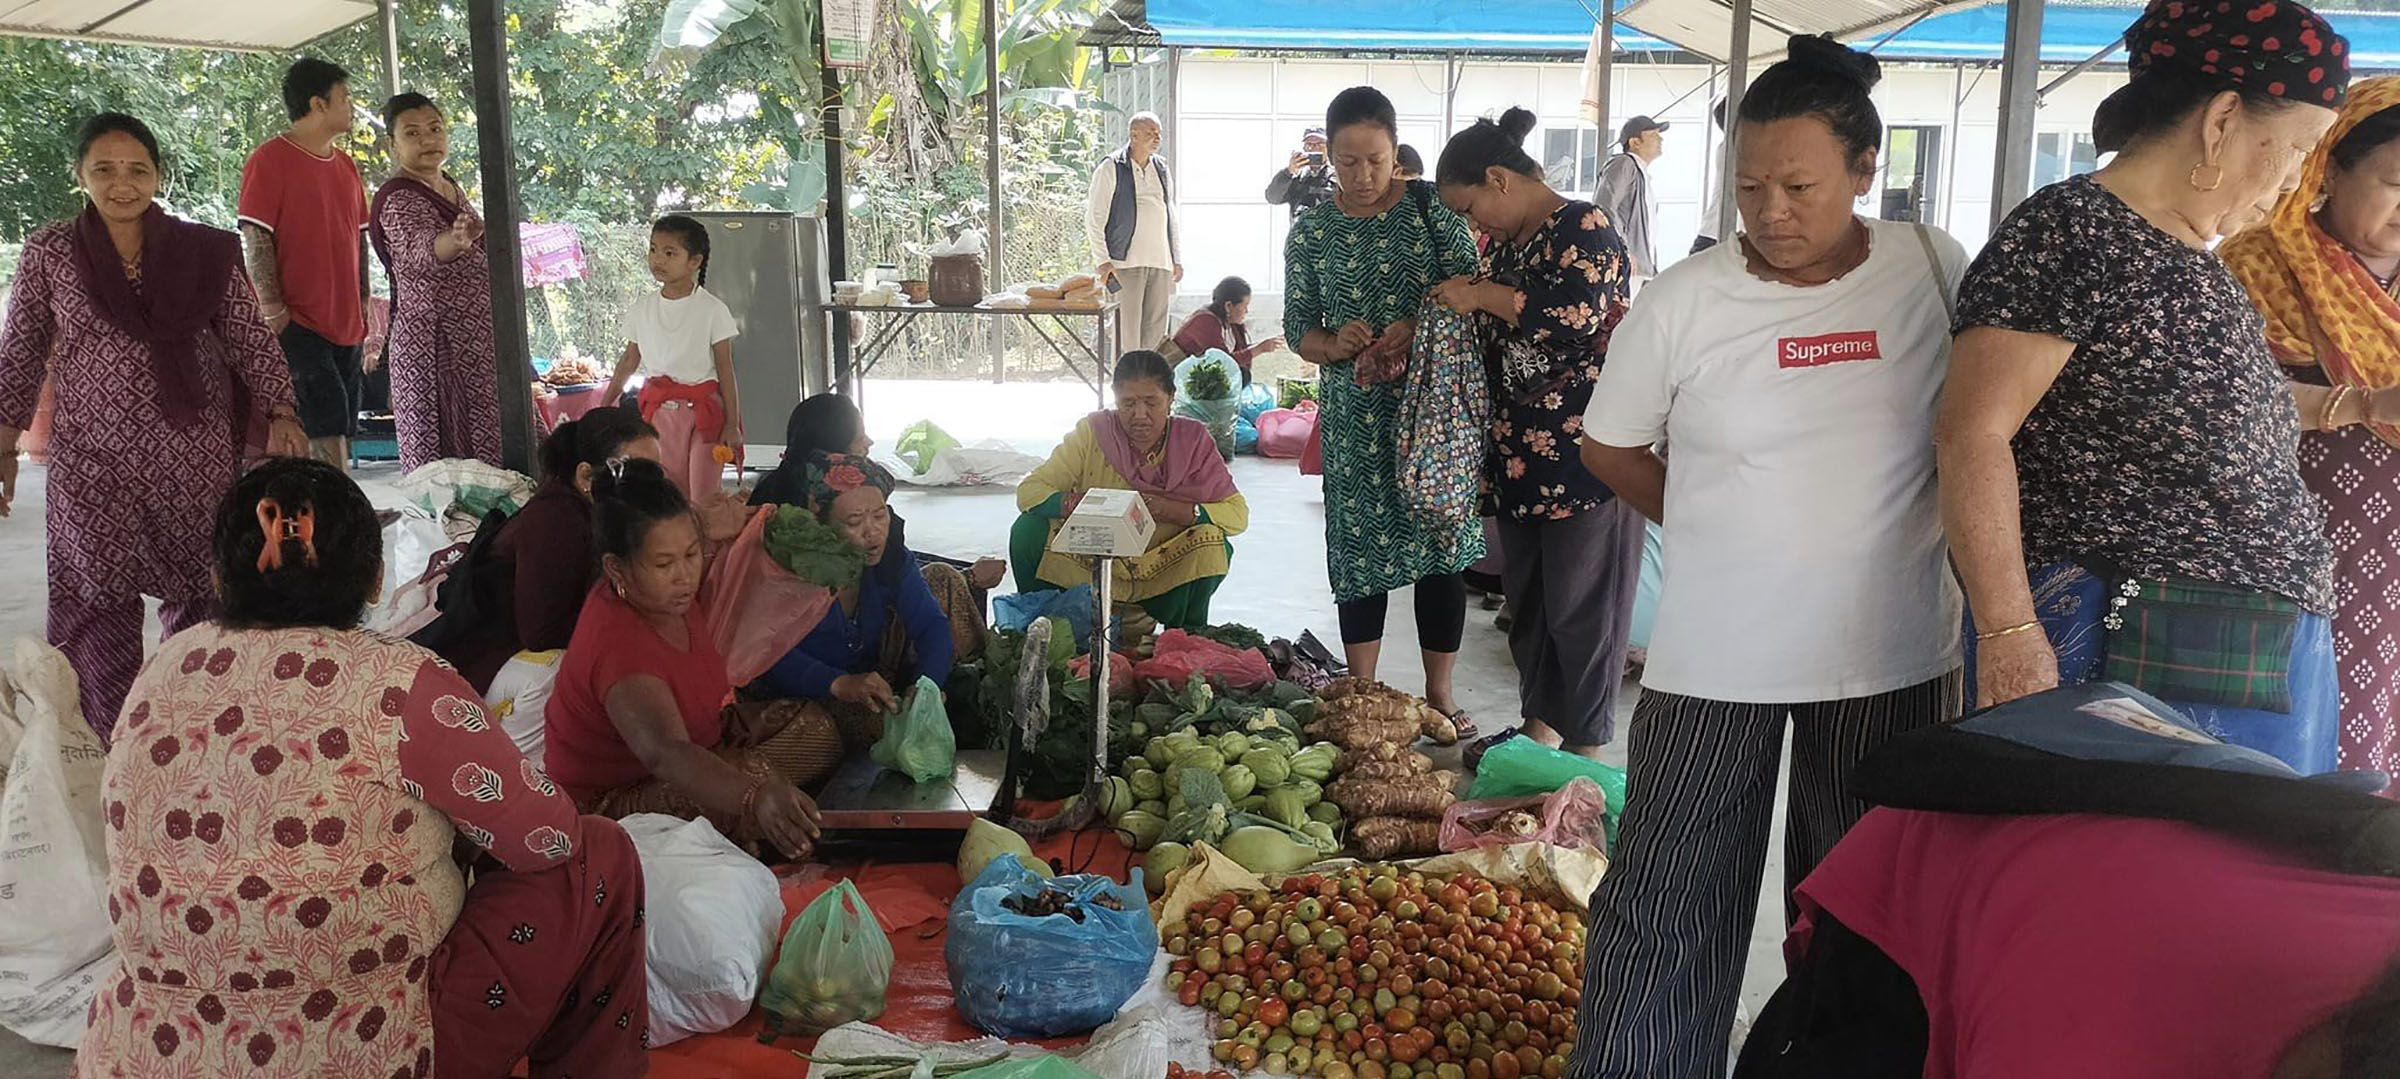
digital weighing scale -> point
(865, 802)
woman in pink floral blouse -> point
(152, 336)
(1552, 284)
(282, 803)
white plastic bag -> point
(990, 462)
(55, 946)
(409, 544)
(434, 488)
(713, 915)
(520, 699)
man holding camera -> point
(1307, 180)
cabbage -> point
(1269, 765)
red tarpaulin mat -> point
(912, 901)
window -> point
(1910, 189)
(1571, 159)
(2060, 154)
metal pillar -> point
(1104, 647)
(512, 351)
(1604, 92)
(998, 264)
(1449, 98)
(1958, 101)
(837, 214)
(2020, 97)
(387, 15)
(1737, 82)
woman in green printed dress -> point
(1355, 271)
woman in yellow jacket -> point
(1173, 463)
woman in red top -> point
(1225, 325)
(636, 724)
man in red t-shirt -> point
(304, 218)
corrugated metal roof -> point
(208, 24)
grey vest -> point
(1121, 212)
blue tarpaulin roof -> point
(2070, 32)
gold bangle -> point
(2333, 404)
(2009, 632)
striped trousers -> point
(1671, 922)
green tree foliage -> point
(600, 135)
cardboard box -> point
(1107, 523)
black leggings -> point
(1441, 614)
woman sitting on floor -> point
(896, 622)
(637, 720)
(284, 795)
(830, 423)
(530, 604)
(1172, 461)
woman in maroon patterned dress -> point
(152, 336)
(431, 243)
(281, 811)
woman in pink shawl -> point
(164, 373)
(1173, 463)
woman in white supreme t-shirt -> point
(1792, 377)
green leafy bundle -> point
(1208, 383)
(812, 550)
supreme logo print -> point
(1830, 348)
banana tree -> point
(691, 27)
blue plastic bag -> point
(1017, 610)
(1245, 436)
(1255, 400)
(1023, 977)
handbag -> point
(1445, 420)
(2183, 639)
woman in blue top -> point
(882, 632)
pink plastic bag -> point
(1312, 459)
(1120, 671)
(757, 611)
(1285, 432)
(1181, 655)
(1575, 815)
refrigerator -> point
(769, 269)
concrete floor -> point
(1278, 586)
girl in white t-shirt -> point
(681, 340)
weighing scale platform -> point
(864, 797)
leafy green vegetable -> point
(1208, 383)
(1236, 635)
(812, 550)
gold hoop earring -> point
(2193, 178)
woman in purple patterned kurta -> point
(163, 369)
(444, 399)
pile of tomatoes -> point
(1177, 1071)
(1374, 973)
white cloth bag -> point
(713, 913)
(56, 949)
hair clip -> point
(278, 528)
(616, 468)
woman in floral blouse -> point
(282, 802)
(1553, 282)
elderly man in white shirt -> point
(1131, 223)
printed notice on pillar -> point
(849, 29)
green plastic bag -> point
(1047, 1066)
(1520, 767)
(920, 443)
(834, 968)
(917, 741)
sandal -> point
(1473, 754)
(1465, 724)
